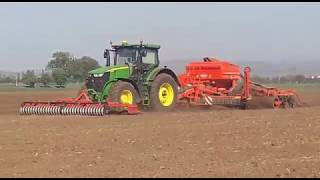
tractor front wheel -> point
(123, 92)
(164, 93)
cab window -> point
(151, 57)
(125, 56)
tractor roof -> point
(125, 44)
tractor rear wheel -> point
(123, 92)
(164, 93)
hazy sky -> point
(31, 32)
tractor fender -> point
(154, 73)
(106, 89)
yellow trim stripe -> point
(117, 69)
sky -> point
(31, 32)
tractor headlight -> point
(97, 75)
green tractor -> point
(134, 78)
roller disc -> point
(49, 110)
(57, 110)
(62, 109)
(89, 111)
(21, 110)
(261, 102)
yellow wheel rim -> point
(166, 94)
(126, 97)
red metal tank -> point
(220, 73)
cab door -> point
(149, 60)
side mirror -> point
(107, 56)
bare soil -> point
(184, 143)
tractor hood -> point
(102, 70)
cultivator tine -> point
(37, 109)
(33, 109)
(43, 110)
(64, 111)
(52, 110)
(67, 110)
(94, 111)
(89, 111)
(101, 111)
(22, 110)
(71, 110)
(48, 110)
(74, 111)
(27, 110)
(80, 110)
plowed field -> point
(185, 143)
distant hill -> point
(8, 74)
(14, 74)
(263, 68)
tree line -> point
(7, 79)
(62, 68)
(298, 78)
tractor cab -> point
(140, 57)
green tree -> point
(59, 76)
(74, 69)
(61, 60)
(45, 79)
(81, 67)
(29, 78)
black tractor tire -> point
(243, 105)
(292, 102)
(119, 87)
(154, 92)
